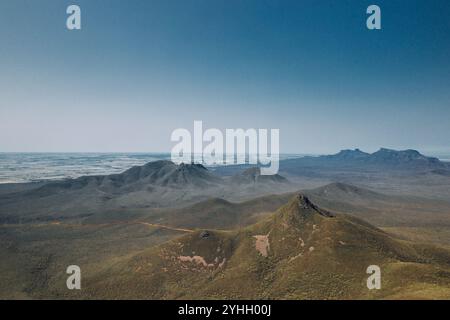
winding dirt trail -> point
(166, 227)
(62, 224)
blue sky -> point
(140, 69)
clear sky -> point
(139, 69)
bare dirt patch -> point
(262, 244)
(196, 259)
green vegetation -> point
(310, 255)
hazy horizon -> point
(137, 71)
(442, 153)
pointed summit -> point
(300, 209)
(303, 203)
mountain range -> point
(157, 184)
(383, 159)
(185, 231)
(163, 183)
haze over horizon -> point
(137, 71)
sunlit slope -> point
(300, 252)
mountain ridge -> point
(403, 161)
(156, 184)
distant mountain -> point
(383, 159)
(154, 185)
(253, 176)
(300, 252)
(167, 174)
(160, 173)
(407, 157)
